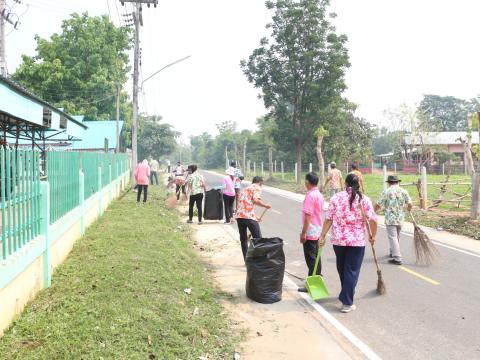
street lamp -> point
(163, 68)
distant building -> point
(99, 136)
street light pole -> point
(163, 68)
(136, 18)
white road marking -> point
(359, 344)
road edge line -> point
(359, 344)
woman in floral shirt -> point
(345, 218)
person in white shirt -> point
(154, 169)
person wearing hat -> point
(334, 180)
(229, 194)
(394, 200)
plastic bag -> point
(213, 209)
(265, 263)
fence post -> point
(248, 167)
(443, 169)
(385, 177)
(283, 175)
(296, 173)
(44, 230)
(395, 168)
(81, 198)
(424, 200)
(310, 167)
(373, 166)
(262, 168)
(275, 167)
(475, 213)
(99, 192)
(110, 183)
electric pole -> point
(117, 148)
(138, 20)
(3, 60)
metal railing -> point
(20, 198)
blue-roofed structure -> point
(97, 134)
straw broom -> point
(381, 289)
(425, 250)
(171, 201)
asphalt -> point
(428, 312)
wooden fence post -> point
(275, 167)
(310, 167)
(262, 167)
(373, 166)
(384, 177)
(395, 168)
(475, 213)
(254, 168)
(296, 173)
(424, 200)
(283, 174)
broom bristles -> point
(171, 202)
(381, 289)
(425, 250)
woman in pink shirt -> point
(345, 218)
(229, 194)
(142, 174)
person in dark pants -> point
(196, 186)
(142, 174)
(312, 221)
(348, 235)
(246, 217)
(229, 194)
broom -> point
(380, 284)
(171, 201)
(425, 250)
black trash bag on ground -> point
(213, 209)
(265, 263)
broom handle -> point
(369, 229)
(317, 260)
(413, 219)
(263, 213)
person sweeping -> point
(394, 200)
(312, 221)
(196, 186)
(346, 219)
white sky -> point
(399, 50)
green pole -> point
(44, 229)
(81, 197)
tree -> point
(155, 139)
(446, 113)
(80, 69)
(321, 133)
(267, 128)
(300, 68)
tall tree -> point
(80, 68)
(155, 138)
(300, 68)
(446, 113)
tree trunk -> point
(245, 158)
(321, 160)
(270, 162)
(298, 159)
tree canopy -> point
(155, 138)
(299, 68)
(80, 68)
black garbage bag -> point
(265, 269)
(213, 209)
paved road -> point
(432, 313)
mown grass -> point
(120, 295)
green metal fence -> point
(63, 170)
(20, 198)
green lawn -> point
(120, 295)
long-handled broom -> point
(381, 289)
(171, 201)
(425, 250)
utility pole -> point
(3, 60)
(138, 20)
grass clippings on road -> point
(121, 295)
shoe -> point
(302, 289)
(189, 222)
(348, 308)
(390, 256)
(395, 261)
(200, 222)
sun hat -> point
(230, 171)
(393, 179)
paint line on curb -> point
(359, 344)
(420, 276)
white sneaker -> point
(348, 308)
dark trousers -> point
(145, 191)
(349, 262)
(310, 250)
(228, 204)
(195, 199)
(153, 174)
(254, 228)
(177, 190)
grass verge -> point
(120, 295)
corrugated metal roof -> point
(94, 136)
(440, 138)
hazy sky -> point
(399, 50)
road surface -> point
(428, 312)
